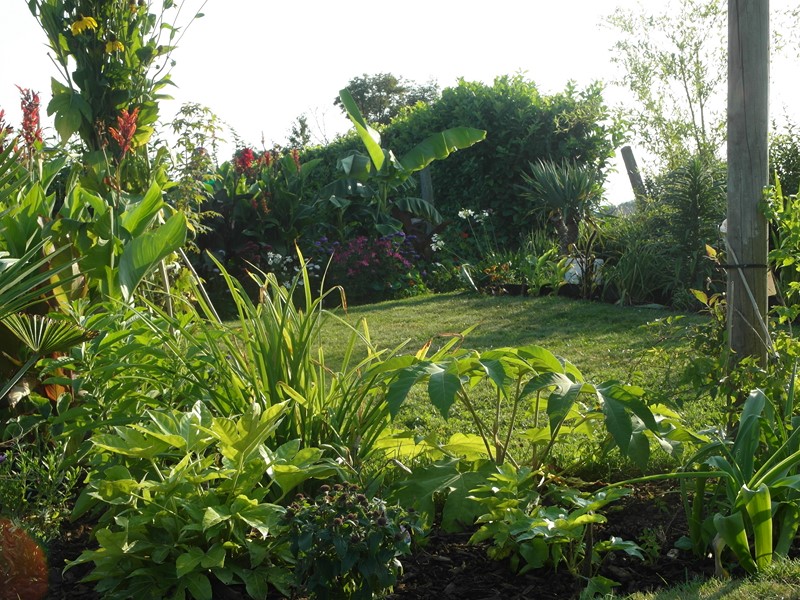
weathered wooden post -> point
(634, 176)
(748, 123)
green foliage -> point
(532, 380)
(758, 474)
(784, 159)
(381, 97)
(346, 545)
(783, 213)
(368, 184)
(112, 56)
(535, 529)
(259, 209)
(661, 251)
(523, 126)
(183, 499)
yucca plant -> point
(566, 193)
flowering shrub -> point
(372, 269)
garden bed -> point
(447, 566)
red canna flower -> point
(243, 161)
(266, 159)
(31, 130)
(296, 158)
(125, 130)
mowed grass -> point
(604, 341)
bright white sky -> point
(259, 64)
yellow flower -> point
(83, 24)
(114, 46)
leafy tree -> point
(674, 62)
(300, 135)
(381, 97)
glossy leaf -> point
(758, 504)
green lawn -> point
(604, 341)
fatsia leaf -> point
(443, 387)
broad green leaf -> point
(639, 449)
(402, 384)
(369, 137)
(496, 372)
(732, 531)
(215, 515)
(560, 402)
(443, 387)
(618, 423)
(758, 504)
(199, 586)
(468, 446)
(439, 146)
(263, 517)
(631, 398)
(214, 558)
(129, 443)
(139, 216)
(188, 561)
(747, 436)
(143, 253)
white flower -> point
(466, 213)
(437, 243)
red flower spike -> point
(125, 130)
(296, 158)
(31, 130)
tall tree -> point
(674, 62)
(380, 97)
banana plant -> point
(370, 181)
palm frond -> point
(45, 335)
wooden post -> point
(748, 123)
(634, 175)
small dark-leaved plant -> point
(346, 545)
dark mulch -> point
(447, 567)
